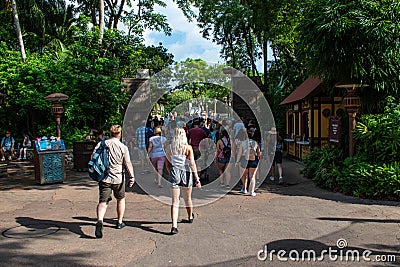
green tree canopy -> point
(342, 40)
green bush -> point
(322, 166)
(354, 176)
(378, 135)
(377, 181)
(375, 170)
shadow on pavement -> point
(357, 220)
(297, 185)
(136, 224)
(13, 253)
(73, 227)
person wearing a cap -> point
(7, 145)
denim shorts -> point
(224, 160)
(246, 164)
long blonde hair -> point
(179, 141)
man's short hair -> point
(115, 130)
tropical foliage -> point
(64, 55)
(375, 170)
(337, 44)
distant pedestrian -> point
(195, 136)
(241, 157)
(239, 125)
(115, 182)
(251, 154)
(224, 158)
(156, 154)
(143, 134)
(181, 168)
(275, 147)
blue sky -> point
(186, 40)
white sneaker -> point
(3, 159)
(253, 194)
(243, 191)
(19, 158)
(280, 180)
(271, 178)
(9, 158)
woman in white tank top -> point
(181, 166)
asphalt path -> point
(53, 225)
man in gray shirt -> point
(115, 182)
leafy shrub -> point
(322, 166)
(378, 181)
(378, 135)
(375, 170)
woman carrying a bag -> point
(250, 151)
(224, 158)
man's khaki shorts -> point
(105, 190)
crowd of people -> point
(174, 143)
(238, 143)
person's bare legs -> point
(227, 173)
(272, 172)
(252, 178)
(187, 197)
(280, 172)
(175, 206)
(244, 178)
(221, 171)
(101, 211)
(120, 209)
(158, 177)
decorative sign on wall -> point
(335, 131)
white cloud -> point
(186, 40)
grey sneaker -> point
(272, 178)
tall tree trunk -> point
(101, 20)
(119, 14)
(18, 29)
(265, 58)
